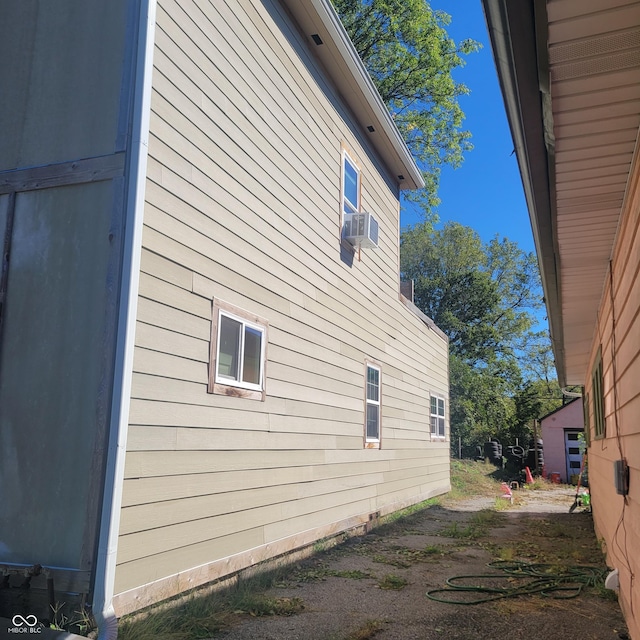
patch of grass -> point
(606, 594)
(394, 561)
(366, 631)
(502, 504)
(479, 525)
(258, 605)
(201, 615)
(539, 484)
(392, 582)
(470, 478)
(486, 518)
(310, 575)
(404, 557)
(194, 618)
(507, 553)
(322, 572)
(469, 532)
(435, 550)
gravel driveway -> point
(374, 586)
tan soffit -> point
(594, 73)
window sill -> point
(237, 392)
(372, 444)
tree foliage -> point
(484, 297)
(410, 57)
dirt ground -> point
(374, 586)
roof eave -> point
(512, 26)
(349, 74)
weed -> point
(392, 582)
(195, 617)
(454, 531)
(203, 615)
(404, 557)
(479, 525)
(367, 630)
(539, 484)
(502, 504)
(258, 605)
(317, 573)
(486, 518)
(393, 560)
(323, 572)
(507, 553)
(59, 621)
(606, 594)
(435, 550)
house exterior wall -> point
(618, 336)
(553, 428)
(243, 206)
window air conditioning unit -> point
(361, 230)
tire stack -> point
(493, 452)
(515, 459)
(535, 453)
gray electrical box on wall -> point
(621, 476)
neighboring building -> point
(570, 75)
(197, 371)
(561, 432)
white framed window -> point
(437, 417)
(350, 184)
(373, 405)
(238, 352)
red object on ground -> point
(506, 492)
(544, 472)
(555, 477)
(527, 475)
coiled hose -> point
(544, 579)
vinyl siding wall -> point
(243, 204)
(617, 520)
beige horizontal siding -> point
(242, 205)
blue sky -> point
(485, 193)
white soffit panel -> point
(594, 55)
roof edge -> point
(362, 89)
(516, 30)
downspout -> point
(135, 179)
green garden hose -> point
(544, 579)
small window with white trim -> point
(238, 352)
(372, 404)
(437, 417)
(350, 185)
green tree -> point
(481, 403)
(533, 400)
(483, 296)
(410, 57)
